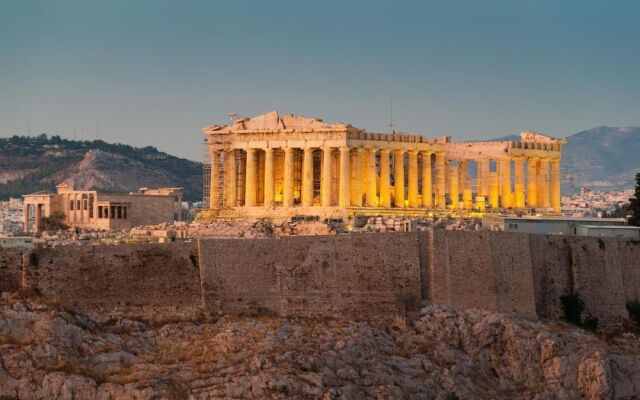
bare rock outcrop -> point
(46, 352)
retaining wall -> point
(146, 281)
(359, 276)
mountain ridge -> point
(30, 164)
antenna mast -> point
(391, 126)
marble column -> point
(38, 212)
(518, 169)
(413, 179)
(385, 179)
(214, 189)
(440, 180)
(543, 183)
(555, 185)
(231, 191)
(287, 192)
(454, 188)
(398, 178)
(532, 182)
(494, 192)
(325, 182)
(371, 176)
(268, 178)
(427, 200)
(356, 183)
(465, 185)
(25, 218)
(484, 176)
(307, 177)
(345, 178)
(505, 182)
(250, 179)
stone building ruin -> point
(277, 166)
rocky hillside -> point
(30, 164)
(46, 352)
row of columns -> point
(358, 176)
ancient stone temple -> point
(284, 165)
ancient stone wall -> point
(10, 269)
(629, 256)
(360, 276)
(146, 281)
(490, 270)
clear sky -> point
(155, 72)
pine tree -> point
(634, 205)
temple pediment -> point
(273, 122)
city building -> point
(90, 209)
(557, 225)
(11, 221)
(282, 166)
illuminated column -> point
(465, 185)
(250, 179)
(518, 169)
(25, 218)
(413, 179)
(325, 182)
(356, 183)
(371, 176)
(543, 183)
(440, 180)
(426, 180)
(307, 177)
(344, 199)
(532, 182)
(214, 191)
(555, 184)
(385, 179)
(268, 178)
(505, 182)
(38, 211)
(484, 177)
(287, 191)
(493, 189)
(454, 189)
(230, 191)
(398, 178)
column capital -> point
(412, 151)
(399, 151)
(288, 149)
(344, 149)
(385, 151)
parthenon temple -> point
(276, 165)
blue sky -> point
(155, 72)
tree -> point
(634, 204)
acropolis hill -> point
(276, 165)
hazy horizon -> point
(154, 73)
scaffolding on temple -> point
(206, 174)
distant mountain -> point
(602, 158)
(30, 164)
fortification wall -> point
(597, 277)
(629, 256)
(552, 277)
(490, 270)
(146, 281)
(10, 269)
(359, 276)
